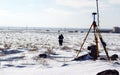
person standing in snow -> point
(60, 39)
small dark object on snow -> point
(108, 72)
(103, 59)
(78, 58)
(114, 57)
(43, 55)
(117, 63)
(20, 66)
(8, 65)
(83, 57)
(64, 64)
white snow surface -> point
(19, 54)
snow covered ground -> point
(19, 54)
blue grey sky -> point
(58, 13)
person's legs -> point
(60, 42)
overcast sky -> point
(58, 13)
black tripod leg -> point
(103, 44)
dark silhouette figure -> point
(93, 52)
(60, 39)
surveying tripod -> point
(96, 36)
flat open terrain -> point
(19, 54)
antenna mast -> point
(97, 12)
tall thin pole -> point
(97, 12)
